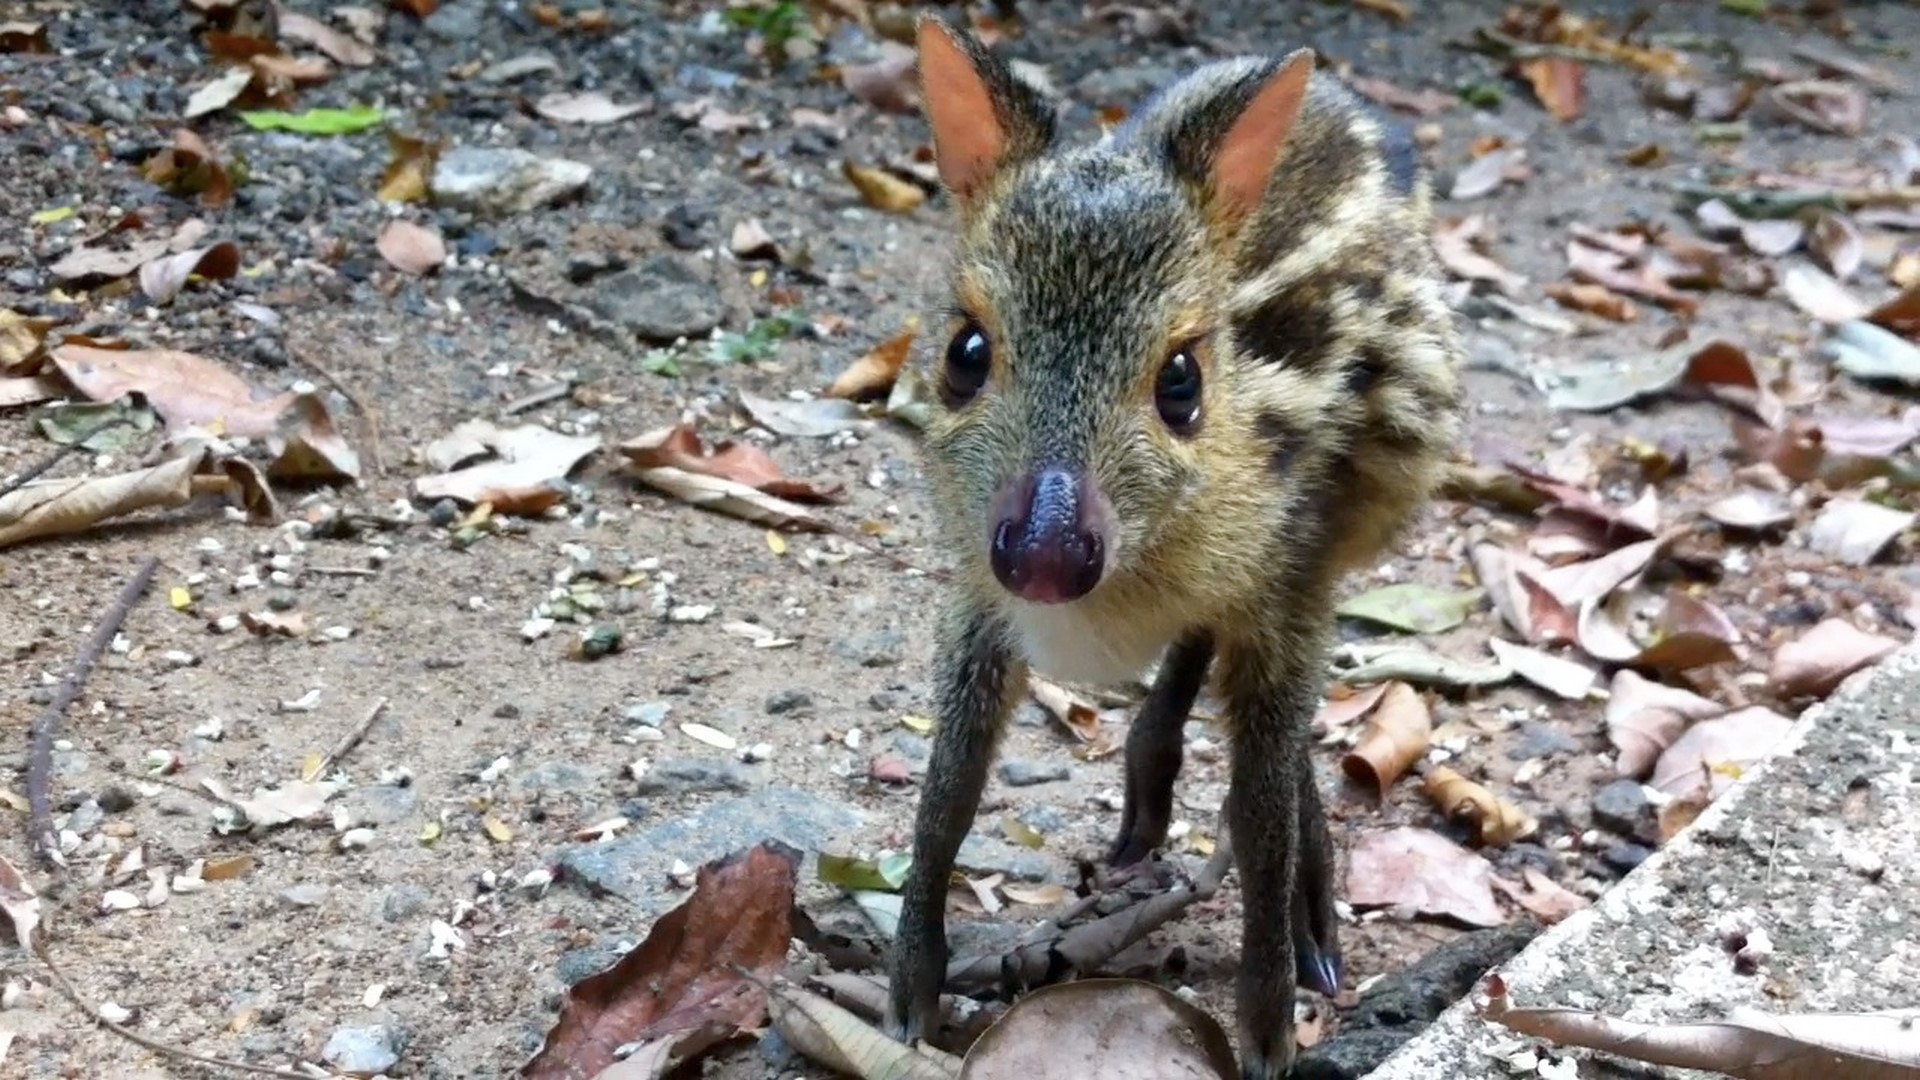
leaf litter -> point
(1422, 873)
(518, 470)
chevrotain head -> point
(1081, 379)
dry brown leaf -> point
(1855, 530)
(1077, 716)
(1593, 258)
(228, 869)
(1545, 898)
(1748, 1045)
(1593, 299)
(680, 447)
(409, 173)
(343, 48)
(1396, 10)
(85, 263)
(890, 84)
(1557, 675)
(163, 278)
(1836, 242)
(873, 374)
(751, 240)
(524, 472)
(734, 499)
(20, 36)
(586, 107)
(307, 447)
(1820, 296)
(1344, 705)
(1396, 737)
(1454, 243)
(1516, 590)
(219, 93)
(1424, 873)
(839, 1039)
(1901, 314)
(1822, 658)
(29, 390)
(67, 506)
(882, 190)
(20, 903)
(291, 624)
(22, 341)
(1687, 633)
(1559, 84)
(1712, 754)
(1495, 822)
(1484, 175)
(1102, 1027)
(295, 800)
(1835, 108)
(411, 249)
(1751, 509)
(1644, 718)
(1423, 102)
(185, 389)
(190, 167)
(293, 70)
(693, 983)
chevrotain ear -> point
(1244, 158)
(984, 118)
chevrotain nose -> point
(1050, 536)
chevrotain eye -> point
(969, 359)
(1178, 392)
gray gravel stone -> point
(1021, 772)
(985, 854)
(1624, 808)
(650, 713)
(363, 1051)
(403, 902)
(504, 180)
(303, 895)
(660, 300)
(1539, 741)
(785, 701)
(696, 774)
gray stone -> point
(303, 895)
(382, 804)
(635, 866)
(402, 902)
(362, 1051)
(696, 774)
(1021, 772)
(1624, 808)
(1045, 820)
(650, 713)
(504, 180)
(985, 854)
(1539, 741)
(880, 648)
(660, 300)
(1624, 857)
(86, 817)
(554, 776)
(577, 964)
(785, 701)
(456, 21)
(912, 747)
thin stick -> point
(342, 571)
(351, 739)
(40, 759)
(58, 456)
(368, 416)
(72, 993)
(537, 398)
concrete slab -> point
(1818, 848)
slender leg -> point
(975, 681)
(1154, 748)
(1316, 926)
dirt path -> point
(494, 751)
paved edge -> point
(1605, 957)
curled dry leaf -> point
(1901, 314)
(343, 48)
(1495, 822)
(1102, 1027)
(1749, 1044)
(1820, 296)
(523, 471)
(1687, 633)
(1077, 716)
(71, 505)
(219, 93)
(890, 84)
(409, 171)
(1718, 369)
(1344, 705)
(20, 903)
(751, 240)
(1396, 737)
(1545, 898)
(1592, 259)
(1856, 531)
(1559, 84)
(1644, 718)
(1867, 351)
(189, 167)
(1515, 587)
(683, 989)
(841, 1040)
(873, 374)
(410, 248)
(1423, 872)
(1457, 242)
(817, 418)
(1363, 665)
(186, 390)
(307, 447)
(1837, 243)
(1412, 608)
(1484, 175)
(1772, 237)
(90, 263)
(1423, 102)
(1712, 754)
(586, 107)
(882, 190)
(163, 278)
(1594, 300)
(29, 390)
(1834, 108)
(679, 447)
(1751, 509)
(731, 498)
(295, 800)
(1557, 675)
(1822, 658)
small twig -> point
(537, 399)
(58, 456)
(40, 759)
(342, 571)
(72, 993)
(351, 739)
(368, 416)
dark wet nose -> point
(1047, 543)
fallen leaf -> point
(219, 93)
(1712, 754)
(873, 374)
(190, 167)
(1514, 586)
(295, 800)
(816, 418)
(1644, 718)
(890, 84)
(1396, 737)
(1594, 300)
(411, 249)
(882, 190)
(1837, 243)
(750, 240)
(1751, 509)
(163, 278)
(1077, 716)
(1546, 899)
(186, 390)
(692, 983)
(291, 624)
(1102, 1027)
(228, 869)
(407, 177)
(83, 263)
(1821, 297)
(343, 48)
(316, 121)
(838, 1038)
(1424, 872)
(1557, 675)
(1484, 175)
(680, 447)
(1361, 665)
(1423, 102)
(294, 70)
(1833, 108)
(1579, 584)
(71, 505)
(1865, 351)
(1557, 82)
(1344, 705)
(911, 401)
(524, 471)
(1412, 608)
(1772, 237)
(586, 107)
(1855, 531)
(1813, 664)
(887, 874)
(1901, 314)
(29, 390)
(734, 499)
(1454, 243)
(21, 342)
(19, 36)
(1494, 821)
(1687, 633)
(1718, 368)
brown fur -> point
(1329, 403)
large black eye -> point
(1178, 392)
(969, 359)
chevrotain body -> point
(1198, 369)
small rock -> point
(578, 964)
(1541, 741)
(660, 300)
(86, 817)
(1020, 772)
(985, 854)
(1624, 857)
(458, 21)
(786, 701)
(685, 227)
(881, 648)
(303, 895)
(1623, 807)
(696, 774)
(1045, 820)
(588, 265)
(364, 1051)
(505, 180)
(116, 800)
(403, 902)
(650, 713)
(912, 747)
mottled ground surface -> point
(494, 730)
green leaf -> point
(661, 362)
(1415, 609)
(862, 874)
(105, 427)
(48, 217)
(316, 121)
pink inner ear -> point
(1245, 159)
(967, 137)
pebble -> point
(650, 713)
(303, 895)
(660, 300)
(505, 180)
(1020, 772)
(1538, 740)
(402, 902)
(1623, 807)
(786, 701)
(696, 774)
(1624, 857)
(363, 1051)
